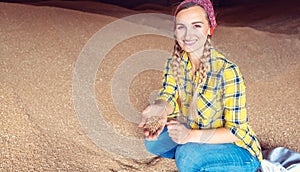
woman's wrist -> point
(167, 107)
(193, 134)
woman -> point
(202, 105)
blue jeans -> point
(199, 157)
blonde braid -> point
(176, 62)
(177, 53)
(204, 67)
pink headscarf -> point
(208, 7)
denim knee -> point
(184, 160)
(151, 147)
(163, 146)
(214, 157)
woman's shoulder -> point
(220, 62)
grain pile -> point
(39, 128)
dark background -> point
(266, 15)
(134, 3)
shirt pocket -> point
(209, 107)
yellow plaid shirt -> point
(221, 98)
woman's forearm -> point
(212, 136)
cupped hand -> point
(154, 110)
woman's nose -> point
(188, 34)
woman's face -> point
(191, 29)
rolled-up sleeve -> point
(235, 114)
(169, 92)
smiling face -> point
(191, 29)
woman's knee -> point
(164, 146)
(219, 157)
(156, 148)
(151, 147)
(187, 158)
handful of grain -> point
(153, 124)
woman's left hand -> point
(178, 132)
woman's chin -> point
(188, 49)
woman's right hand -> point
(154, 110)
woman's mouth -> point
(189, 42)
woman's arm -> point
(212, 136)
(169, 90)
(181, 135)
(164, 105)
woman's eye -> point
(197, 26)
(180, 27)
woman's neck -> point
(195, 61)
